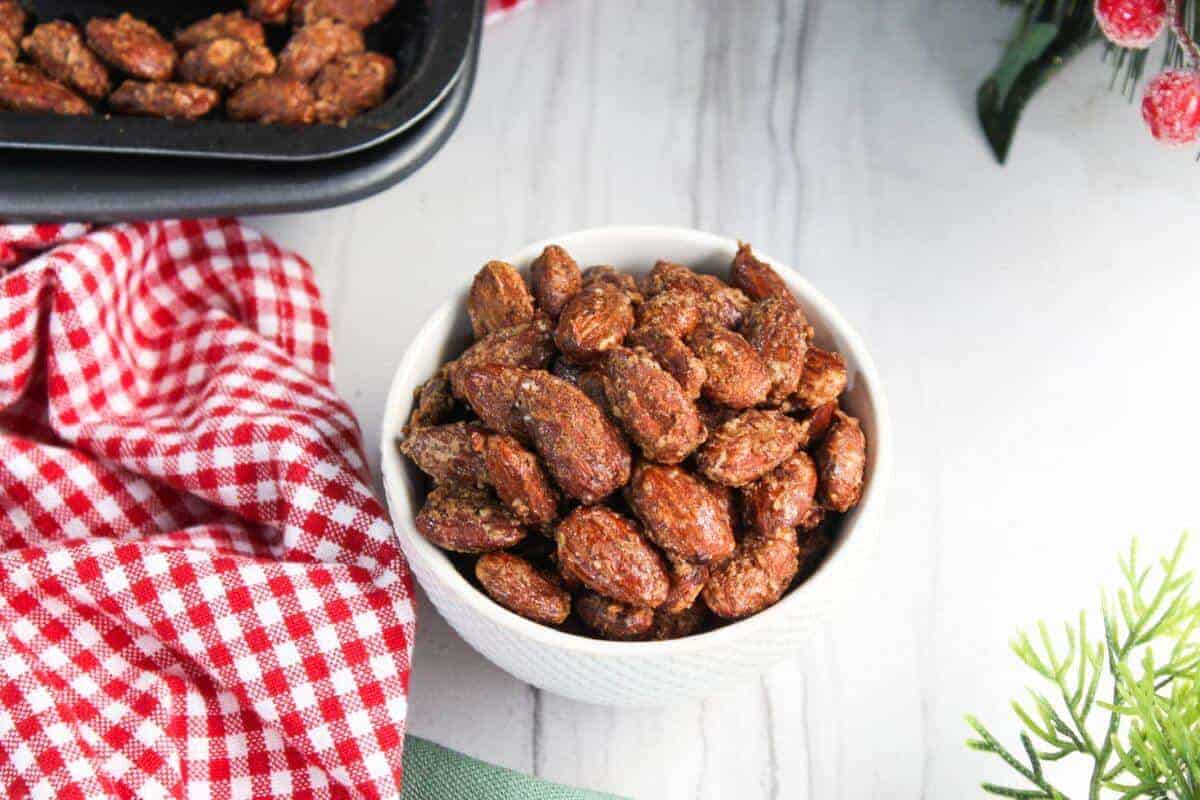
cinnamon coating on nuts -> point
(132, 46)
(59, 50)
(167, 100)
(25, 88)
(323, 74)
(745, 459)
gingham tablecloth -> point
(199, 595)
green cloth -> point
(431, 772)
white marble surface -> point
(1036, 326)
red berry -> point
(1171, 106)
(1131, 23)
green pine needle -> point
(1144, 742)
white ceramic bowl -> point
(638, 673)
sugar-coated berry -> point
(1131, 23)
(1171, 106)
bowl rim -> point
(838, 565)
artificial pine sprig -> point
(1144, 739)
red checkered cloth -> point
(199, 595)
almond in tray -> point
(272, 12)
(352, 84)
(273, 100)
(315, 45)
(59, 50)
(132, 46)
(323, 74)
(355, 13)
(226, 63)
(167, 100)
(232, 25)
(26, 88)
(745, 459)
(12, 19)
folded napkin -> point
(435, 773)
(199, 595)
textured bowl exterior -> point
(639, 674)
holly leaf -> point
(1026, 47)
(1040, 47)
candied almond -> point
(556, 279)
(522, 588)
(579, 445)
(755, 578)
(467, 519)
(498, 299)
(612, 620)
(737, 375)
(607, 553)
(651, 406)
(842, 460)
(681, 513)
(748, 446)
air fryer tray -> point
(54, 187)
(428, 38)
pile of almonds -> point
(323, 74)
(636, 459)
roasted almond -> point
(556, 279)
(529, 345)
(448, 453)
(756, 278)
(580, 446)
(781, 498)
(681, 514)
(748, 446)
(755, 578)
(816, 424)
(491, 391)
(720, 304)
(651, 406)
(608, 554)
(737, 375)
(842, 460)
(523, 589)
(613, 620)
(813, 520)
(676, 311)
(723, 305)
(677, 624)
(586, 379)
(714, 416)
(687, 581)
(777, 329)
(672, 355)
(498, 299)
(665, 275)
(603, 273)
(594, 321)
(823, 380)
(432, 402)
(519, 480)
(467, 519)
